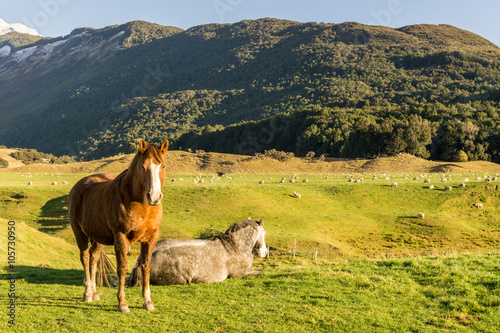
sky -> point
(54, 18)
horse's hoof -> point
(96, 297)
(87, 299)
(149, 306)
(123, 309)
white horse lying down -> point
(181, 261)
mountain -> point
(6, 28)
(93, 93)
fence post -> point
(293, 250)
(315, 254)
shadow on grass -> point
(47, 275)
(209, 233)
(54, 216)
(436, 188)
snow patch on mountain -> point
(23, 54)
(46, 50)
(5, 51)
(6, 28)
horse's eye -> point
(163, 167)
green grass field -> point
(379, 268)
(340, 218)
(433, 294)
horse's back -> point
(182, 264)
(82, 187)
(85, 202)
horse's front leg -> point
(121, 245)
(146, 251)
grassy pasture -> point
(342, 219)
(457, 293)
(380, 269)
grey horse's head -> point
(260, 243)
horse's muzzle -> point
(155, 201)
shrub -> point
(279, 155)
(310, 155)
(3, 163)
(461, 156)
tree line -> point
(426, 130)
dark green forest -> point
(343, 90)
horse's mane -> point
(227, 238)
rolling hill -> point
(93, 93)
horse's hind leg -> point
(121, 245)
(83, 244)
(95, 251)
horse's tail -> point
(107, 271)
(135, 278)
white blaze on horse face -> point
(154, 194)
(262, 242)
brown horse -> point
(119, 211)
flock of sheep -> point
(443, 179)
(52, 182)
(350, 178)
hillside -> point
(180, 162)
(108, 87)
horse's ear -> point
(261, 222)
(143, 146)
(164, 147)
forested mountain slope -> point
(340, 89)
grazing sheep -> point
(443, 180)
(65, 182)
(292, 180)
(357, 180)
(350, 180)
(295, 194)
(447, 188)
(415, 178)
(478, 205)
(421, 215)
(387, 178)
(494, 178)
(211, 181)
(30, 183)
(487, 179)
(479, 178)
(261, 182)
(466, 180)
(54, 183)
(427, 181)
(282, 181)
(374, 178)
(305, 180)
(326, 177)
(431, 187)
(462, 185)
(361, 179)
(394, 184)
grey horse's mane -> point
(227, 238)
